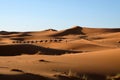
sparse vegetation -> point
(84, 77)
(114, 77)
(72, 74)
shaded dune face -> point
(24, 34)
(51, 30)
(25, 76)
(13, 50)
(97, 54)
(8, 33)
(99, 30)
(75, 30)
(29, 76)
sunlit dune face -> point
(75, 53)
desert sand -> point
(77, 53)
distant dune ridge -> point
(77, 53)
(74, 30)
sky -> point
(35, 15)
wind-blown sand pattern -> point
(78, 53)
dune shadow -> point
(60, 77)
(13, 50)
(82, 77)
(17, 70)
(25, 76)
(72, 31)
(8, 33)
(24, 34)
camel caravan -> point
(38, 41)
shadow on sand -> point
(26, 76)
(13, 50)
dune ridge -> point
(77, 53)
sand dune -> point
(99, 62)
(19, 49)
(73, 30)
(77, 30)
(77, 53)
(7, 33)
(91, 31)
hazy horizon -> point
(36, 15)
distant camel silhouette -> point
(55, 40)
(37, 41)
(41, 41)
(18, 41)
(24, 42)
(118, 41)
(27, 41)
(60, 40)
(13, 41)
(32, 41)
(50, 40)
(66, 41)
(46, 41)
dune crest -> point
(77, 53)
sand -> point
(72, 54)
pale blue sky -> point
(28, 15)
